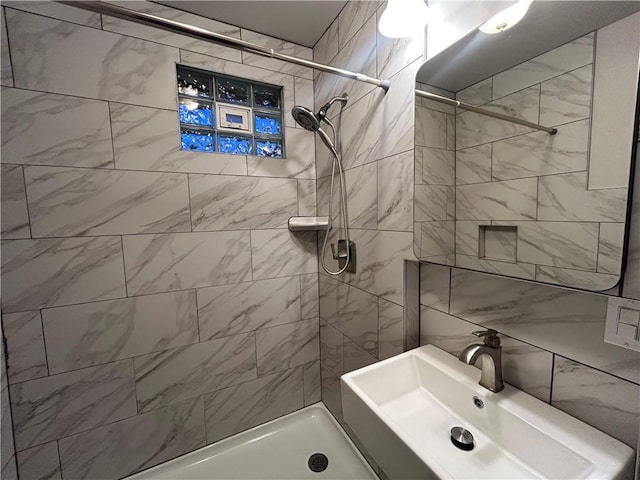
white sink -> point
(403, 408)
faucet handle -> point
(490, 337)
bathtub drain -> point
(318, 462)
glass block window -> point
(219, 113)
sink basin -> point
(402, 410)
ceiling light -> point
(403, 18)
(507, 18)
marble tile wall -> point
(154, 301)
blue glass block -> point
(194, 112)
(264, 96)
(194, 84)
(232, 91)
(234, 145)
(197, 140)
(267, 125)
(266, 148)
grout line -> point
(124, 268)
(44, 343)
(551, 380)
(26, 199)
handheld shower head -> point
(311, 121)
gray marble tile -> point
(473, 165)
(134, 444)
(355, 357)
(393, 54)
(15, 216)
(238, 408)
(162, 263)
(7, 447)
(438, 238)
(395, 205)
(566, 98)
(9, 471)
(539, 153)
(508, 200)
(171, 376)
(60, 405)
(299, 161)
(287, 346)
(610, 246)
(39, 463)
(411, 320)
(60, 57)
(518, 270)
(66, 202)
(6, 73)
(280, 46)
(241, 203)
(566, 198)
(58, 11)
(431, 202)
(307, 198)
(149, 139)
(25, 346)
(474, 129)
(434, 286)
(390, 329)
(437, 167)
(478, 93)
(47, 129)
(244, 307)
(47, 273)
(327, 47)
(280, 253)
(312, 383)
(309, 296)
(93, 333)
(468, 236)
(353, 16)
(352, 311)
(560, 60)
(597, 282)
(144, 32)
(331, 393)
(431, 128)
(603, 401)
(331, 347)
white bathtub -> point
(279, 450)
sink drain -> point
(462, 438)
(318, 462)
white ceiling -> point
(297, 21)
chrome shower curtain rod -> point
(209, 36)
(483, 111)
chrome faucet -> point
(491, 353)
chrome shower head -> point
(305, 118)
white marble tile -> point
(597, 282)
(93, 333)
(566, 98)
(280, 46)
(134, 444)
(60, 405)
(287, 346)
(55, 272)
(238, 408)
(181, 373)
(565, 198)
(610, 247)
(393, 54)
(6, 73)
(431, 202)
(7, 448)
(25, 346)
(353, 16)
(434, 286)
(9, 470)
(307, 198)
(331, 347)
(539, 153)
(157, 35)
(60, 57)
(162, 263)
(432, 104)
(508, 200)
(244, 307)
(58, 11)
(355, 357)
(65, 202)
(438, 238)
(241, 203)
(47, 129)
(15, 217)
(352, 311)
(40, 463)
(149, 139)
(395, 198)
(431, 128)
(309, 296)
(280, 253)
(299, 161)
(473, 165)
(560, 60)
(312, 383)
(603, 401)
(327, 47)
(436, 166)
(477, 94)
(331, 393)
(498, 243)
(468, 237)
(390, 329)
(474, 129)
(518, 270)
(303, 93)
